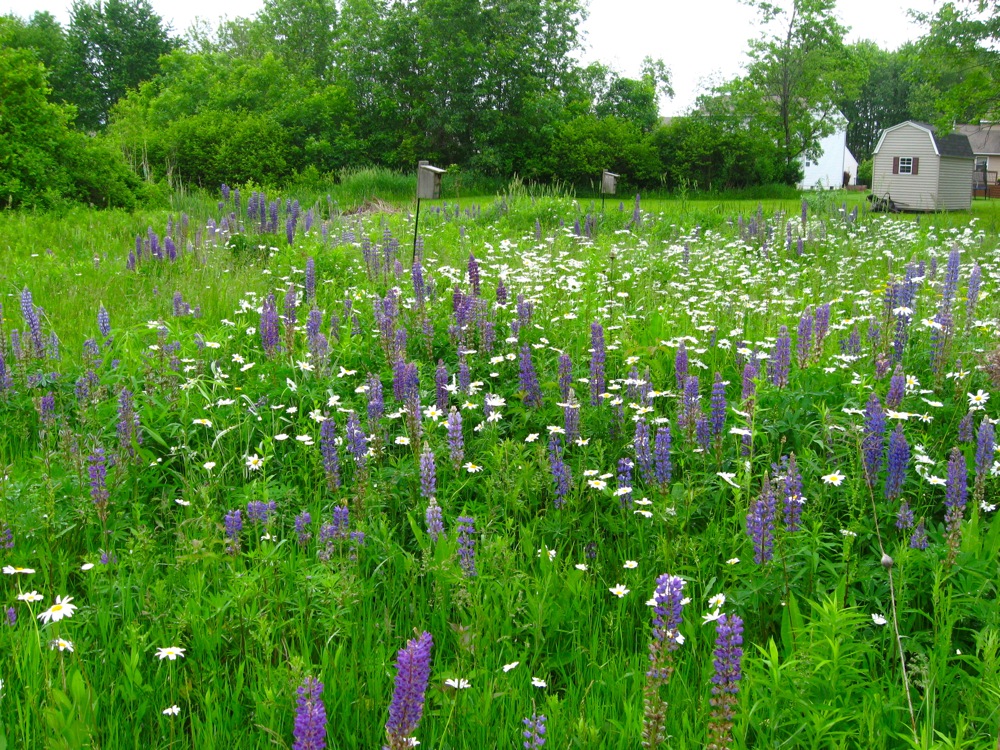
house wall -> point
(917, 192)
(955, 183)
(828, 171)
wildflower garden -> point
(274, 475)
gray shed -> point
(921, 170)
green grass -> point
(818, 672)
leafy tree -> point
(636, 100)
(961, 59)
(797, 73)
(111, 47)
(40, 33)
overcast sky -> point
(699, 40)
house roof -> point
(952, 144)
(984, 139)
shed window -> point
(906, 165)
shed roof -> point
(952, 144)
(984, 139)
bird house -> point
(428, 181)
(609, 181)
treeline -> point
(113, 104)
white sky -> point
(699, 40)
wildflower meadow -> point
(282, 475)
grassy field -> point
(683, 474)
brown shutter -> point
(916, 163)
(895, 165)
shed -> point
(920, 170)
(985, 142)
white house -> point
(835, 160)
(920, 170)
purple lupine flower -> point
(966, 429)
(441, 386)
(534, 731)
(310, 717)
(340, 525)
(103, 321)
(234, 525)
(30, 313)
(314, 324)
(376, 401)
(571, 418)
(803, 346)
(872, 445)
(897, 389)
(428, 473)
(718, 405)
(690, 406)
(904, 516)
(97, 469)
(821, 327)
(258, 511)
(956, 495)
(5, 379)
(985, 440)
(972, 294)
(303, 522)
(464, 376)
(473, 268)
(328, 449)
(501, 293)
(726, 679)
(357, 441)
(703, 433)
(11, 617)
(643, 451)
(565, 375)
(781, 359)
(950, 286)
(751, 370)
(898, 459)
(466, 531)
(269, 333)
(560, 471)
(760, 523)
(792, 495)
(597, 357)
(310, 283)
(661, 456)
(6, 536)
(919, 538)
(681, 365)
(47, 409)
(432, 518)
(529, 379)
(413, 669)
(668, 605)
(290, 229)
(625, 466)
(456, 442)
(291, 313)
(128, 424)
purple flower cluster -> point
(873, 442)
(259, 512)
(413, 670)
(899, 459)
(97, 468)
(571, 418)
(433, 520)
(985, 440)
(565, 375)
(760, 523)
(597, 359)
(625, 467)
(529, 379)
(956, 496)
(681, 366)
(128, 424)
(269, 330)
(428, 472)
(560, 471)
(466, 531)
(534, 731)
(791, 494)
(310, 717)
(718, 406)
(897, 389)
(357, 441)
(328, 450)
(726, 679)
(303, 522)
(781, 359)
(643, 451)
(234, 525)
(661, 456)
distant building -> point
(985, 142)
(835, 166)
(920, 170)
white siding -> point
(917, 192)
(828, 169)
(955, 183)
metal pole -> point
(416, 225)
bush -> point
(865, 172)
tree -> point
(111, 47)
(796, 75)
(636, 99)
(962, 60)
